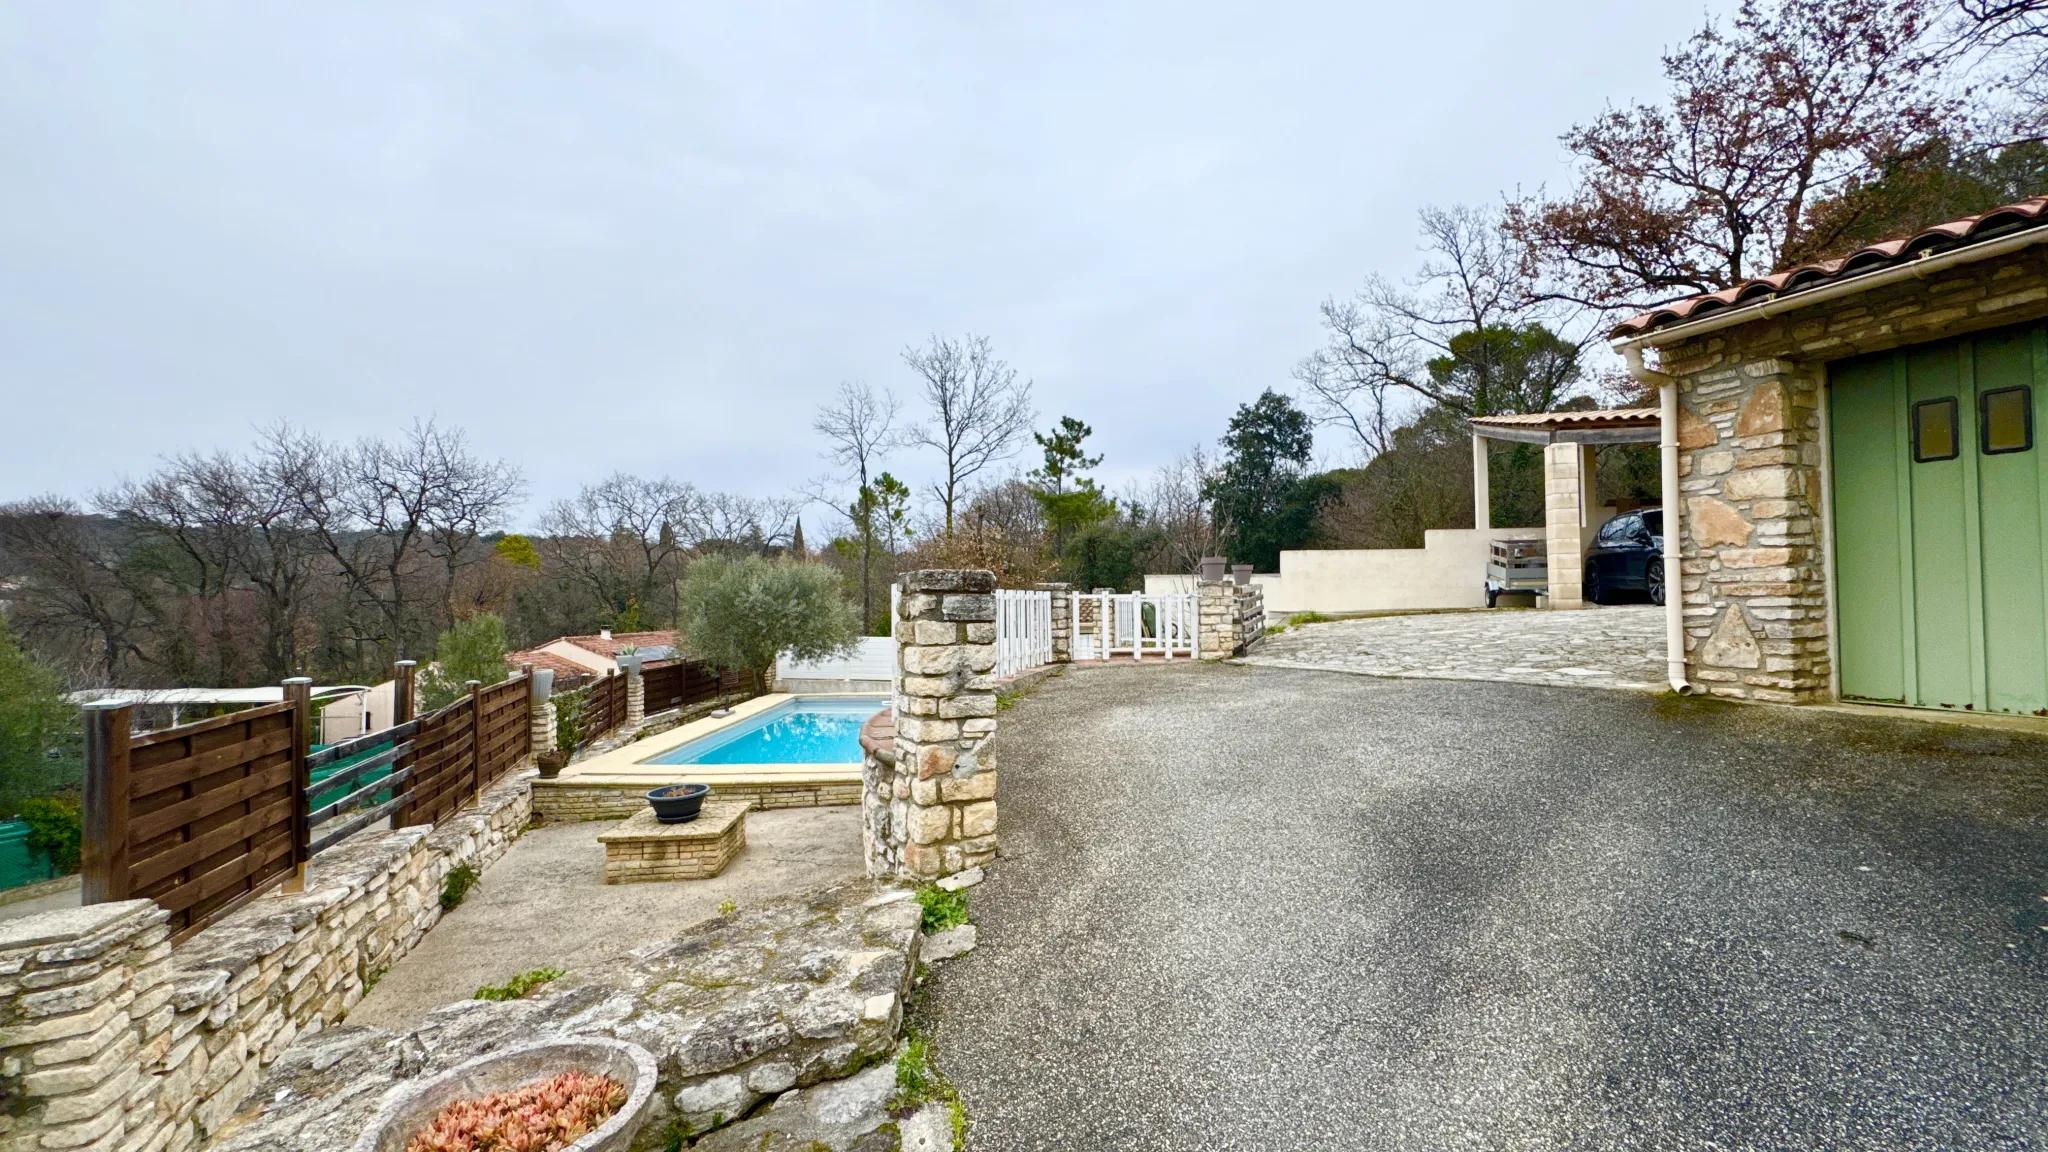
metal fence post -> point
(103, 858)
(298, 692)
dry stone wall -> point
(112, 1038)
(1751, 456)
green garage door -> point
(1941, 523)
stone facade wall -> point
(940, 787)
(1751, 456)
(112, 1038)
(1231, 619)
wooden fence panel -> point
(442, 765)
(681, 683)
(507, 728)
(212, 812)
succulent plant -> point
(544, 1116)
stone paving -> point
(1615, 647)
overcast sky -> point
(656, 236)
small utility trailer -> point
(1517, 566)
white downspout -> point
(1667, 453)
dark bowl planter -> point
(551, 764)
(678, 803)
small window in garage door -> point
(2008, 420)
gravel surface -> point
(1259, 908)
(1619, 646)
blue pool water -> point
(806, 730)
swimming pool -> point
(803, 730)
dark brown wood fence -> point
(604, 706)
(681, 683)
(202, 817)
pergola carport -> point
(1570, 492)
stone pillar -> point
(636, 693)
(1062, 621)
(1564, 515)
(943, 807)
(1754, 580)
(1218, 621)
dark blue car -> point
(1627, 559)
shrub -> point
(474, 649)
(546, 1114)
(39, 729)
(942, 909)
(517, 987)
(53, 830)
(455, 888)
(741, 612)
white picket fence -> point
(1023, 630)
(1133, 624)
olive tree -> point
(740, 612)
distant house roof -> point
(539, 658)
(610, 644)
(598, 653)
(1597, 426)
(2000, 221)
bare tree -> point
(1795, 98)
(1172, 501)
(858, 428)
(1464, 334)
(980, 411)
(69, 589)
(623, 540)
(385, 511)
(194, 513)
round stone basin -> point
(416, 1105)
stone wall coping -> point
(714, 820)
(66, 924)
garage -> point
(1940, 522)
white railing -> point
(1133, 624)
(1023, 630)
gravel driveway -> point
(1620, 646)
(1259, 908)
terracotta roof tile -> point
(1598, 418)
(2029, 213)
(563, 669)
(610, 646)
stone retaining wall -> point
(111, 1038)
(1751, 455)
(571, 800)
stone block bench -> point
(643, 848)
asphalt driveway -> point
(1262, 908)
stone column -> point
(1564, 515)
(636, 693)
(943, 811)
(1217, 628)
(1062, 621)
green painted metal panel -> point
(1864, 423)
(1941, 565)
(2009, 510)
(1941, 586)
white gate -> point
(1023, 630)
(1110, 624)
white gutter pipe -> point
(1667, 457)
(1763, 309)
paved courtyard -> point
(1615, 647)
(1262, 908)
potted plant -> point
(678, 803)
(568, 733)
